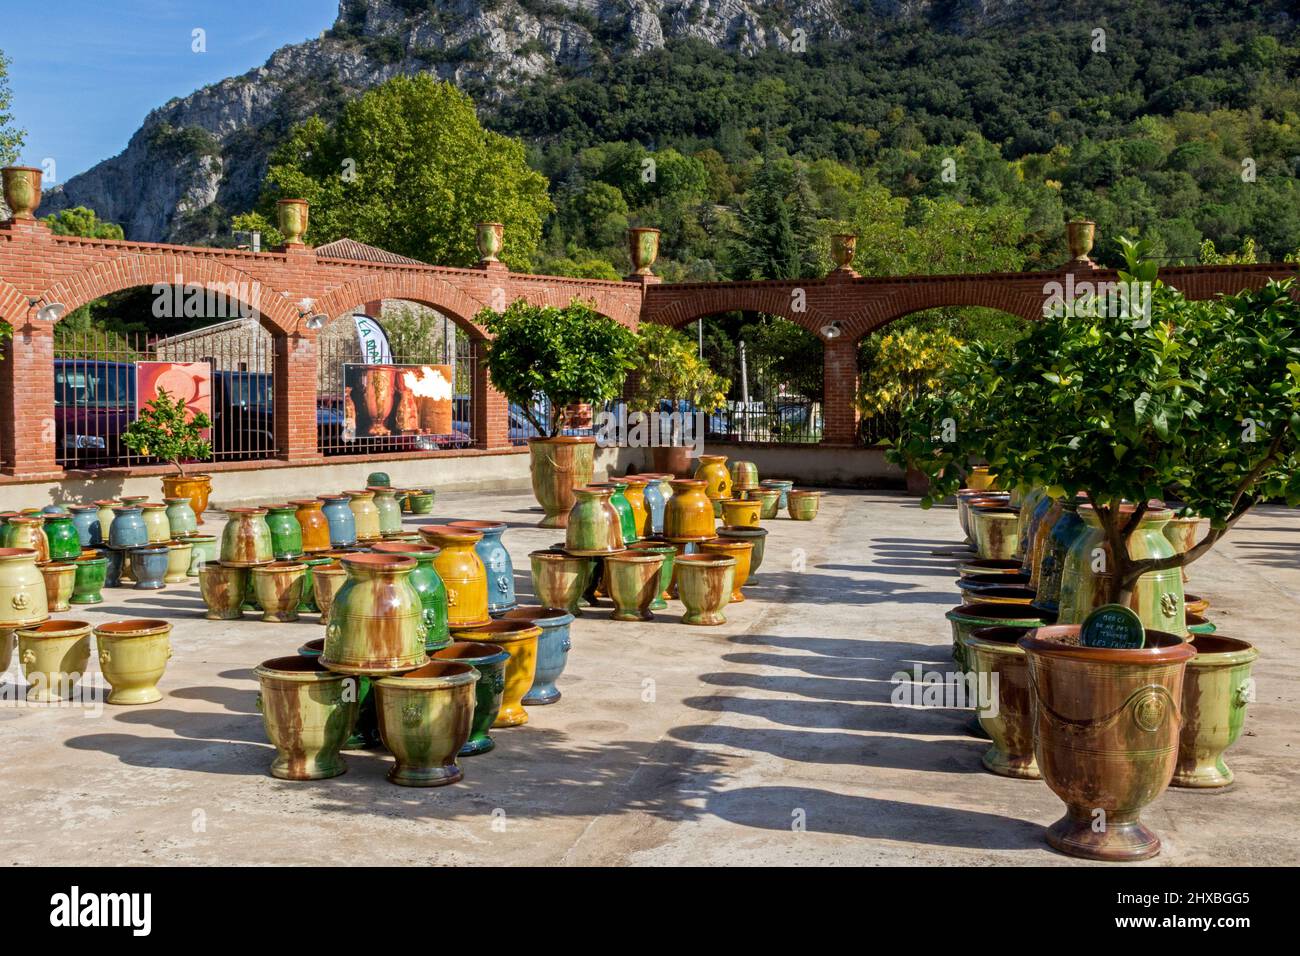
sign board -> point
(1112, 625)
(373, 341)
(190, 382)
(385, 400)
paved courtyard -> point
(770, 740)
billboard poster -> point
(384, 400)
(191, 382)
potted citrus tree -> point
(166, 430)
(667, 366)
(568, 356)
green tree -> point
(11, 137)
(80, 221)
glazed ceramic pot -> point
(1041, 540)
(195, 488)
(54, 656)
(1216, 688)
(308, 712)
(559, 579)
(974, 592)
(462, 571)
(594, 526)
(781, 485)
(634, 487)
(61, 536)
(653, 497)
(88, 580)
(105, 508)
(712, 470)
(519, 640)
(967, 500)
(769, 500)
(1032, 502)
(744, 475)
(307, 602)
(496, 561)
(558, 466)
(739, 549)
(365, 514)
(376, 621)
(1183, 531)
(223, 587)
(1106, 730)
(286, 533)
(669, 553)
(127, 530)
(203, 550)
(179, 557)
(326, 580)
(1046, 512)
(633, 582)
(420, 501)
(157, 528)
(390, 512)
(981, 479)
(312, 524)
(85, 518)
(996, 531)
(1005, 712)
(489, 660)
(149, 566)
(689, 513)
(181, 518)
(626, 517)
(27, 531)
(378, 479)
(427, 583)
(278, 587)
(704, 584)
(1056, 549)
(133, 656)
(1158, 596)
(965, 619)
(757, 537)
(342, 525)
(246, 539)
(553, 646)
(135, 501)
(738, 513)
(22, 589)
(114, 560)
(59, 580)
(803, 505)
(1008, 568)
(425, 717)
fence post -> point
(491, 412)
(27, 402)
(295, 396)
(839, 390)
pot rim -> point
(550, 554)
(997, 614)
(543, 617)
(242, 511)
(305, 502)
(488, 653)
(17, 554)
(375, 561)
(134, 627)
(432, 675)
(474, 525)
(706, 561)
(658, 547)
(418, 551)
(686, 484)
(1240, 652)
(276, 567)
(448, 533)
(1169, 649)
(635, 556)
(803, 493)
(182, 479)
(49, 630)
(712, 458)
(503, 632)
(777, 482)
(91, 560)
(297, 669)
(730, 544)
(563, 440)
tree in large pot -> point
(569, 356)
(668, 367)
(167, 430)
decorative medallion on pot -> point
(496, 561)
(490, 662)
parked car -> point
(94, 402)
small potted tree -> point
(166, 430)
(569, 356)
(669, 367)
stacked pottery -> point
(462, 572)
(489, 660)
(105, 508)
(149, 566)
(519, 640)
(622, 507)
(496, 561)
(428, 584)
(246, 539)
(388, 509)
(125, 533)
(741, 512)
(133, 656)
(85, 518)
(689, 515)
(286, 532)
(633, 577)
(803, 505)
(553, 646)
(312, 524)
(744, 477)
(376, 621)
(594, 527)
(340, 520)
(180, 517)
(366, 515)
(757, 537)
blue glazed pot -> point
(496, 559)
(128, 530)
(149, 565)
(85, 518)
(552, 649)
(343, 526)
(113, 572)
(52, 509)
(655, 502)
(783, 486)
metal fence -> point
(522, 428)
(98, 374)
(877, 430)
(790, 419)
(401, 416)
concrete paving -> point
(770, 740)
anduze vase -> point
(312, 523)
(158, 528)
(669, 552)
(463, 575)
(133, 655)
(655, 502)
(803, 505)
(966, 618)
(338, 516)
(519, 640)
(490, 662)
(688, 515)
(559, 578)
(1216, 689)
(553, 646)
(246, 538)
(741, 513)
(594, 527)
(999, 665)
(286, 533)
(195, 488)
(633, 578)
(308, 712)
(365, 514)
(326, 581)
(149, 566)
(61, 536)
(127, 530)
(376, 622)
(428, 584)
(741, 551)
(181, 519)
(704, 584)
(54, 656)
(634, 489)
(712, 470)
(757, 537)
(59, 579)
(88, 580)
(26, 531)
(996, 531)
(559, 465)
(179, 553)
(618, 500)
(496, 561)
(223, 587)
(425, 717)
(278, 587)
(1106, 729)
(783, 486)
(85, 518)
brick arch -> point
(127, 272)
(413, 287)
(895, 304)
(774, 299)
(13, 304)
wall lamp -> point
(50, 312)
(833, 330)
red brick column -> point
(27, 437)
(491, 411)
(295, 396)
(839, 391)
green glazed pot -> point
(966, 618)
(133, 656)
(1216, 689)
(390, 511)
(669, 553)
(704, 584)
(559, 579)
(425, 718)
(180, 517)
(626, 517)
(88, 583)
(428, 584)
(62, 537)
(223, 587)
(595, 526)
(308, 713)
(489, 660)
(769, 501)
(421, 502)
(755, 536)
(376, 623)
(1001, 671)
(286, 532)
(803, 505)
(203, 550)
(378, 479)
(633, 578)
(180, 555)
(278, 587)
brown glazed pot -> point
(1106, 729)
(326, 579)
(59, 578)
(996, 530)
(223, 588)
(673, 460)
(376, 621)
(308, 713)
(278, 587)
(246, 539)
(704, 582)
(559, 579)
(995, 654)
(633, 583)
(558, 465)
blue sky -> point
(85, 73)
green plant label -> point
(1112, 625)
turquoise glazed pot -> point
(113, 560)
(85, 518)
(490, 662)
(342, 524)
(286, 532)
(379, 479)
(782, 486)
(428, 584)
(553, 646)
(149, 566)
(180, 517)
(128, 530)
(655, 503)
(496, 559)
(62, 536)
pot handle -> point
(169, 650)
(1245, 692)
(257, 701)
(566, 645)
(29, 656)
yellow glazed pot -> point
(22, 589)
(742, 514)
(133, 656)
(54, 656)
(742, 551)
(519, 640)
(365, 514)
(712, 470)
(463, 574)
